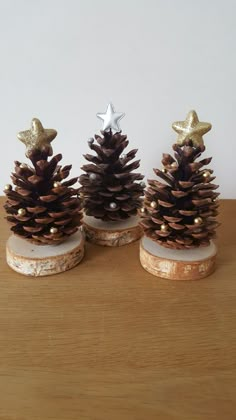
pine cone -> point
(180, 212)
(42, 208)
(109, 187)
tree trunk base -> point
(44, 260)
(112, 233)
(192, 264)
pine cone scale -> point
(36, 209)
(33, 229)
(44, 220)
(165, 204)
(22, 192)
(176, 226)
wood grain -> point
(109, 341)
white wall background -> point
(63, 60)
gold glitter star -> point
(191, 129)
(37, 138)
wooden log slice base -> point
(44, 260)
(112, 233)
(192, 264)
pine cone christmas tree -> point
(109, 187)
(42, 208)
(181, 212)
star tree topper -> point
(37, 138)
(111, 118)
(191, 129)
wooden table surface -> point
(108, 341)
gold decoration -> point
(142, 210)
(174, 165)
(164, 227)
(8, 187)
(23, 166)
(198, 221)
(56, 184)
(164, 170)
(37, 138)
(53, 230)
(206, 174)
(153, 204)
(21, 212)
(191, 129)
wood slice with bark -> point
(37, 260)
(111, 234)
(172, 264)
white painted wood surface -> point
(43, 260)
(100, 224)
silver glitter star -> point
(111, 118)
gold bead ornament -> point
(197, 220)
(164, 227)
(21, 212)
(206, 174)
(142, 210)
(56, 184)
(153, 204)
(8, 187)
